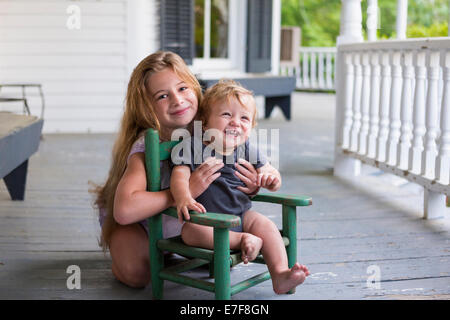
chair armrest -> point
(217, 220)
(286, 199)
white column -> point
(351, 22)
(372, 20)
(276, 35)
(443, 158)
(137, 33)
(350, 31)
(402, 18)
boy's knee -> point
(254, 220)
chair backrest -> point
(155, 152)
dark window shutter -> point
(177, 27)
(259, 35)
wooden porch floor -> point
(375, 220)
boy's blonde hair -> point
(224, 90)
(139, 115)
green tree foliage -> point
(320, 19)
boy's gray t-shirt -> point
(222, 195)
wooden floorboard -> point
(374, 220)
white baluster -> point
(313, 76)
(320, 70)
(415, 154)
(298, 79)
(431, 117)
(385, 93)
(290, 71)
(356, 125)
(443, 158)
(405, 112)
(374, 105)
(305, 62)
(328, 70)
(394, 109)
(348, 98)
(365, 101)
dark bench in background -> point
(20, 136)
(276, 90)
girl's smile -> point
(180, 112)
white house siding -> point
(84, 72)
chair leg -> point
(156, 256)
(222, 264)
(290, 231)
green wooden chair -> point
(221, 259)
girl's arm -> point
(179, 186)
(132, 203)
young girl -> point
(228, 112)
(162, 94)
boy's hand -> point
(186, 204)
(269, 181)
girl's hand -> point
(186, 204)
(248, 174)
(204, 175)
(269, 181)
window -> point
(212, 29)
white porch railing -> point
(394, 111)
(315, 70)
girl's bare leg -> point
(274, 252)
(129, 253)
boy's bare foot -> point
(250, 247)
(289, 279)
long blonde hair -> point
(138, 116)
